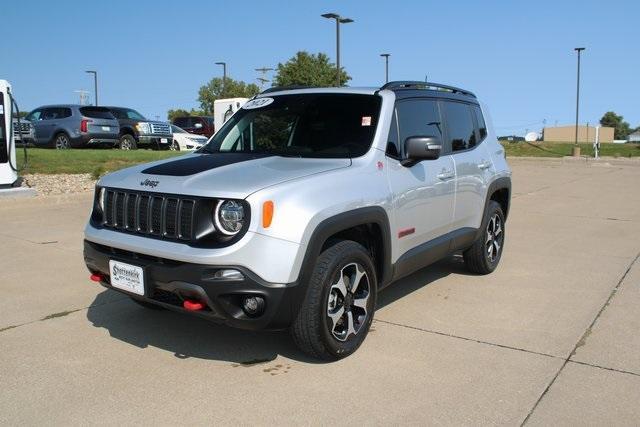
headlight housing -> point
(101, 196)
(144, 127)
(229, 217)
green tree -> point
(307, 69)
(215, 89)
(180, 112)
(621, 128)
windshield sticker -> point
(257, 103)
(366, 121)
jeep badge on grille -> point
(149, 183)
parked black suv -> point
(136, 130)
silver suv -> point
(304, 206)
(67, 125)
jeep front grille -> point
(160, 129)
(164, 216)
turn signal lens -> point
(267, 214)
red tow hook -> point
(192, 305)
(96, 278)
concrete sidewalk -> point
(550, 338)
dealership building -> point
(568, 134)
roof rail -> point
(282, 88)
(425, 85)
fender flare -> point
(502, 183)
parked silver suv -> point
(67, 125)
(304, 206)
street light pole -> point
(386, 66)
(95, 83)
(339, 20)
(224, 76)
(576, 147)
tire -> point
(175, 146)
(146, 304)
(324, 328)
(485, 253)
(127, 142)
(61, 141)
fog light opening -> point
(228, 274)
(252, 305)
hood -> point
(224, 175)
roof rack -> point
(281, 88)
(425, 85)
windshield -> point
(127, 113)
(176, 129)
(308, 125)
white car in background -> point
(185, 141)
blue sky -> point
(154, 55)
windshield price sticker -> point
(257, 103)
(366, 121)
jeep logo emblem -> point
(149, 183)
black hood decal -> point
(204, 162)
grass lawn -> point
(94, 161)
(558, 149)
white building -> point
(635, 136)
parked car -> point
(304, 206)
(66, 126)
(138, 131)
(199, 125)
(23, 131)
(185, 141)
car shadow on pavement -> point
(188, 336)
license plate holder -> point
(127, 277)
(164, 140)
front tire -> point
(175, 146)
(339, 305)
(127, 142)
(483, 257)
(61, 141)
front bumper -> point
(155, 140)
(168, 283)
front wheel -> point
(127, 142)
(175, 146)
(483, 257)
(62, 142)
(338, 308)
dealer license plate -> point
(164, 140)
(127, 277)
(106, 128)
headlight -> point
(101, 196)
(144, 127)
(229, 217)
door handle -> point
(484, 165)
(444, 175)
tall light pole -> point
(95, 84)
(386, 66)
(224, 76)
(339, 20)
(576, 147)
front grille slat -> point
(160, 129)
(169, 217)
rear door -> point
(472, 163)
(423, 194)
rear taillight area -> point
(84, 125)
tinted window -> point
(310, 125)
(96, 112)
(482, 127)
(184, 122)
(418, 117)
(56, 113)
(34, 115)
(460, 128)
(127, 114)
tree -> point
(215, 90)
(307, 69)
(621, 128)
(180, 112)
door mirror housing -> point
(198, 126)
(417, 148)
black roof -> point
(410, 89)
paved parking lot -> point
(550, 338)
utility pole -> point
(95, 84)
(224, 76)
(386, 66)
(339, 20)
(263, 76)
(576, 147)
(84, 96)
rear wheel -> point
(483, 257)
(338, 308)
(127, 142)
(61, 141)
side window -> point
(393, 147)
(48, 114)
(34, 116)
(64, 113)
(460, 128)
(418, 117)
(482, 127)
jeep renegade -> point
(303, 207)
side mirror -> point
(417, 148)
(198, 126)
